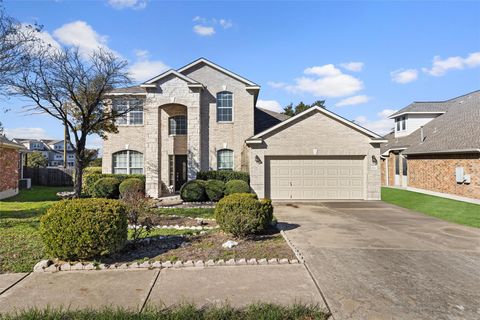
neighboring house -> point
(435, 146)
(10, 167)
(204, 117)
(51, 149)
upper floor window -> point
(225, 159)
(127, 162)
(177, 125)
(224, 106)
(401, 123)
(134, 115)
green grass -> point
(187, 312)
(206, 213)
(20, 243)
(450, 210)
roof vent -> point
(422, 136)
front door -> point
(180, 171)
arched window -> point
(177, 125)
(224, 106)
(127, 162)
(225, 159)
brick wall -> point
(390, 163)
(9, 159)
(437, 173)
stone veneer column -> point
(152, 149)
(193, 138)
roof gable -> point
(167, 73)
(253, 85)
(309, 112)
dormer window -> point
(401, 123)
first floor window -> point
(225, 159)
(128, 162)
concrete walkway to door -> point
(373, 260)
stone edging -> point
(295, 250)
(177, 227)
(44, 266)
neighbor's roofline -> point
(216, 66)
(472, 150)
(396, 114)
(309, 110)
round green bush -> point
(242, 214)
(236, 186)
(215, 190)
(106, 188)
(193, 191)
(84, 228)
(131, 186)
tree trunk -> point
(77, 184)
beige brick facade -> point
(317, 135)
(437, 173)
(9, 172)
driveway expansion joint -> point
(14, 284)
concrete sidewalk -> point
(135, 289)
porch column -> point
(152, 151)
(193, 137)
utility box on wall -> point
(460, 176)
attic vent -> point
(461, 101)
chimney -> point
(422, 138)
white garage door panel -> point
(315, 178)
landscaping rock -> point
(157, 264)
(77, 266)
(103, 266)
(199, 263)
(89, 266)
(65, 267)
(188, 263)
(241, 262)
(220, 262)
(284, 261)
(41, 265)
(122, 266)
(230, 262)
(294, 261)
(51, 268)
(230, 244)
(273, 261)
(133, 265)
(210, 263)
(178, 264)
(252, 261)
(145, 264)
(167, 264)
(262, 261)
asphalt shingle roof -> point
(265, 119)
(458, 129)
(129, 90)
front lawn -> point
(450, 210)
(184, 312)
(20, 243)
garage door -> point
(315, 178)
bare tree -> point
(73, 89)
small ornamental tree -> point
(36, 160)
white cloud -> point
(144, 68)
(353, 66)
(323, 81)
(122, 4)
(82, 35)
(404, 76)
(440, 67)
(350, 101)
(381, 125)
(272, 105)
(27, 133)
(226, 24)
(203, 30)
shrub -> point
(236, 186)
(90, 170)
(215, 190)
(131, 185)
(242, 214)
(106, 188)
(89, 180)
(224, 175)
(193, 191)
(84, 228)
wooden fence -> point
(49, 176)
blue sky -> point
(365, 58)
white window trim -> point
(129, 169)
(127, 124)
(233, 159)
(233, 108)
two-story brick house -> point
(204, 117)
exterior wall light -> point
(258, 160)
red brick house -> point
(10, 167)
(435, 146)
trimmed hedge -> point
(236, 186)
(91, 170)
(193, 191)
(223, 175)
(242, 214)
(106, 188)
(84, 228)
(131, 185)
(90, 179)
(215, 190)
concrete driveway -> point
(373, 260)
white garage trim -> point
(315, 177)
